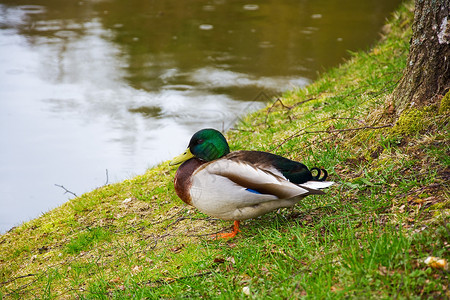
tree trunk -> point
(427, 74)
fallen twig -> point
(171, 280)
(303, 131)
(15, 278)
(349, 129)
(66, 190)
(107, 178)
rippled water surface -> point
(90, 86)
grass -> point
(367, 238)
(87, 240)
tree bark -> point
(427, 74)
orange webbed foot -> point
(228, 235)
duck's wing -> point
(254, 179)
(294, 171)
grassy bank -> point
(368, 237)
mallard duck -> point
(243, 184)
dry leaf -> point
(126, 200)
(136, 269)
(334, 289)
(229, 268)
(415, 200)
(231, 245)
(115, 280)
(231, 259)
(437, 263)
(218, 260)
(177, 249)
(390, 109)
(246, 290)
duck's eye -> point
(200, 141)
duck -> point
(240, 185)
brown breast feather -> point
(183, 180)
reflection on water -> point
(87, 86)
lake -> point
(95, 92)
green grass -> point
(367, 238)
(86, 240)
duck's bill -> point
(182, 158)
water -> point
(90, 86)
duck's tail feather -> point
(319, 172)
(316, 185)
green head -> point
(206, 144)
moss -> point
(440, 205)
(442, 214)
(412, 121)
(445, 104)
